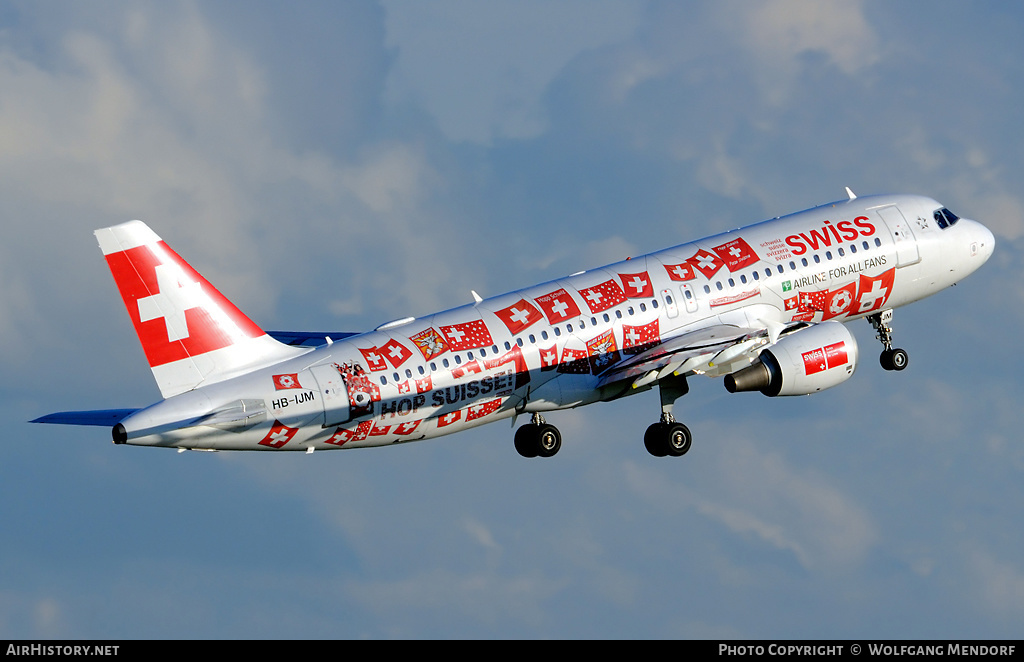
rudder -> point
(191, 334)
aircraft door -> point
(670, 304)
(333, 394)
(906, 245)
(689, 298)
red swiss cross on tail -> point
(178, 315)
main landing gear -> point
(668, 437)
(891, 359)
(538, 438)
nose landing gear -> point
(891, 359)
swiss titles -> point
(830, 233)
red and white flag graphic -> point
(558, 306)
(812, 301)
(872, 293)
(519, 316)
(814, 361)
(793, 302)
(839, 302)
(374, 359)
(404, 387)
(706, 262)
(407, 428)
(483, 409)
(637, 286)
(603, 352)
(467, 335)
(736, 254)
(603, 296)
(279, 435)
(681, 272)
(424, 384)
(395, 352)
(549, 358)
(473, 367)
(574, 361)
(430, 343)
(824, 358)
(379, 430)
(636, 339)
(449, 418)
(342, 436)
(290, 380)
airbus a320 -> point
(764, 307)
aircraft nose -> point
(983, 242)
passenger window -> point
(718, 284)
(853, 248)
(519, 341)
(458, 360)
(396, 376)
(707, 289)
(507, 345)
(817, 259)
(828, 255)
(756, 276)
(433, 367)
(643, 307)
(866, 247)
(383, 380)
(630, 310)
(533, 340)
(568, 328)
(743, 278)
(792, 266)
(608, 319)
(841, 252)
(558, 331)
(803, 261)
(732, 283)
(445, 363)
(689, 295)
(544, 335)
(878, 242)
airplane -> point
(764, 307)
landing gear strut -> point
(891, 359)
(538, 438)
(668, 436)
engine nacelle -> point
(804, 362)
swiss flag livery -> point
(483, 409)
(279, 435)
(603, 296)
(395, 352)
(449, 418)
(374, 359)
(549, 358)
(407, 428)
(872, 293)
(175, 311)
(821, 359)
(558, 306)
(468, 335)
(290, 380)
(603, 352)
(519, 316)
(574, 361)
(680, 272)
(342, 436)
(736, 254)
(637, 285)
(839, 302)
(636, 339)
(430, 343)
(706, 262)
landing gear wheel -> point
(538, 440)
(899, 359)
(672, 439)
(549, 440)
(526, 440)
(894, 359)
(677, 439)
(655, 440)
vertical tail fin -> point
(191, 334)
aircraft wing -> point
(308, 338)
(715, 344)
(101, 417)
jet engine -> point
(804, 362)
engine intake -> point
(804, 362)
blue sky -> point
(336, 165)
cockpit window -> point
(945, 218)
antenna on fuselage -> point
(850, 193)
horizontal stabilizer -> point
(308, 338)
(101, 417)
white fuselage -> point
(550, 346)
